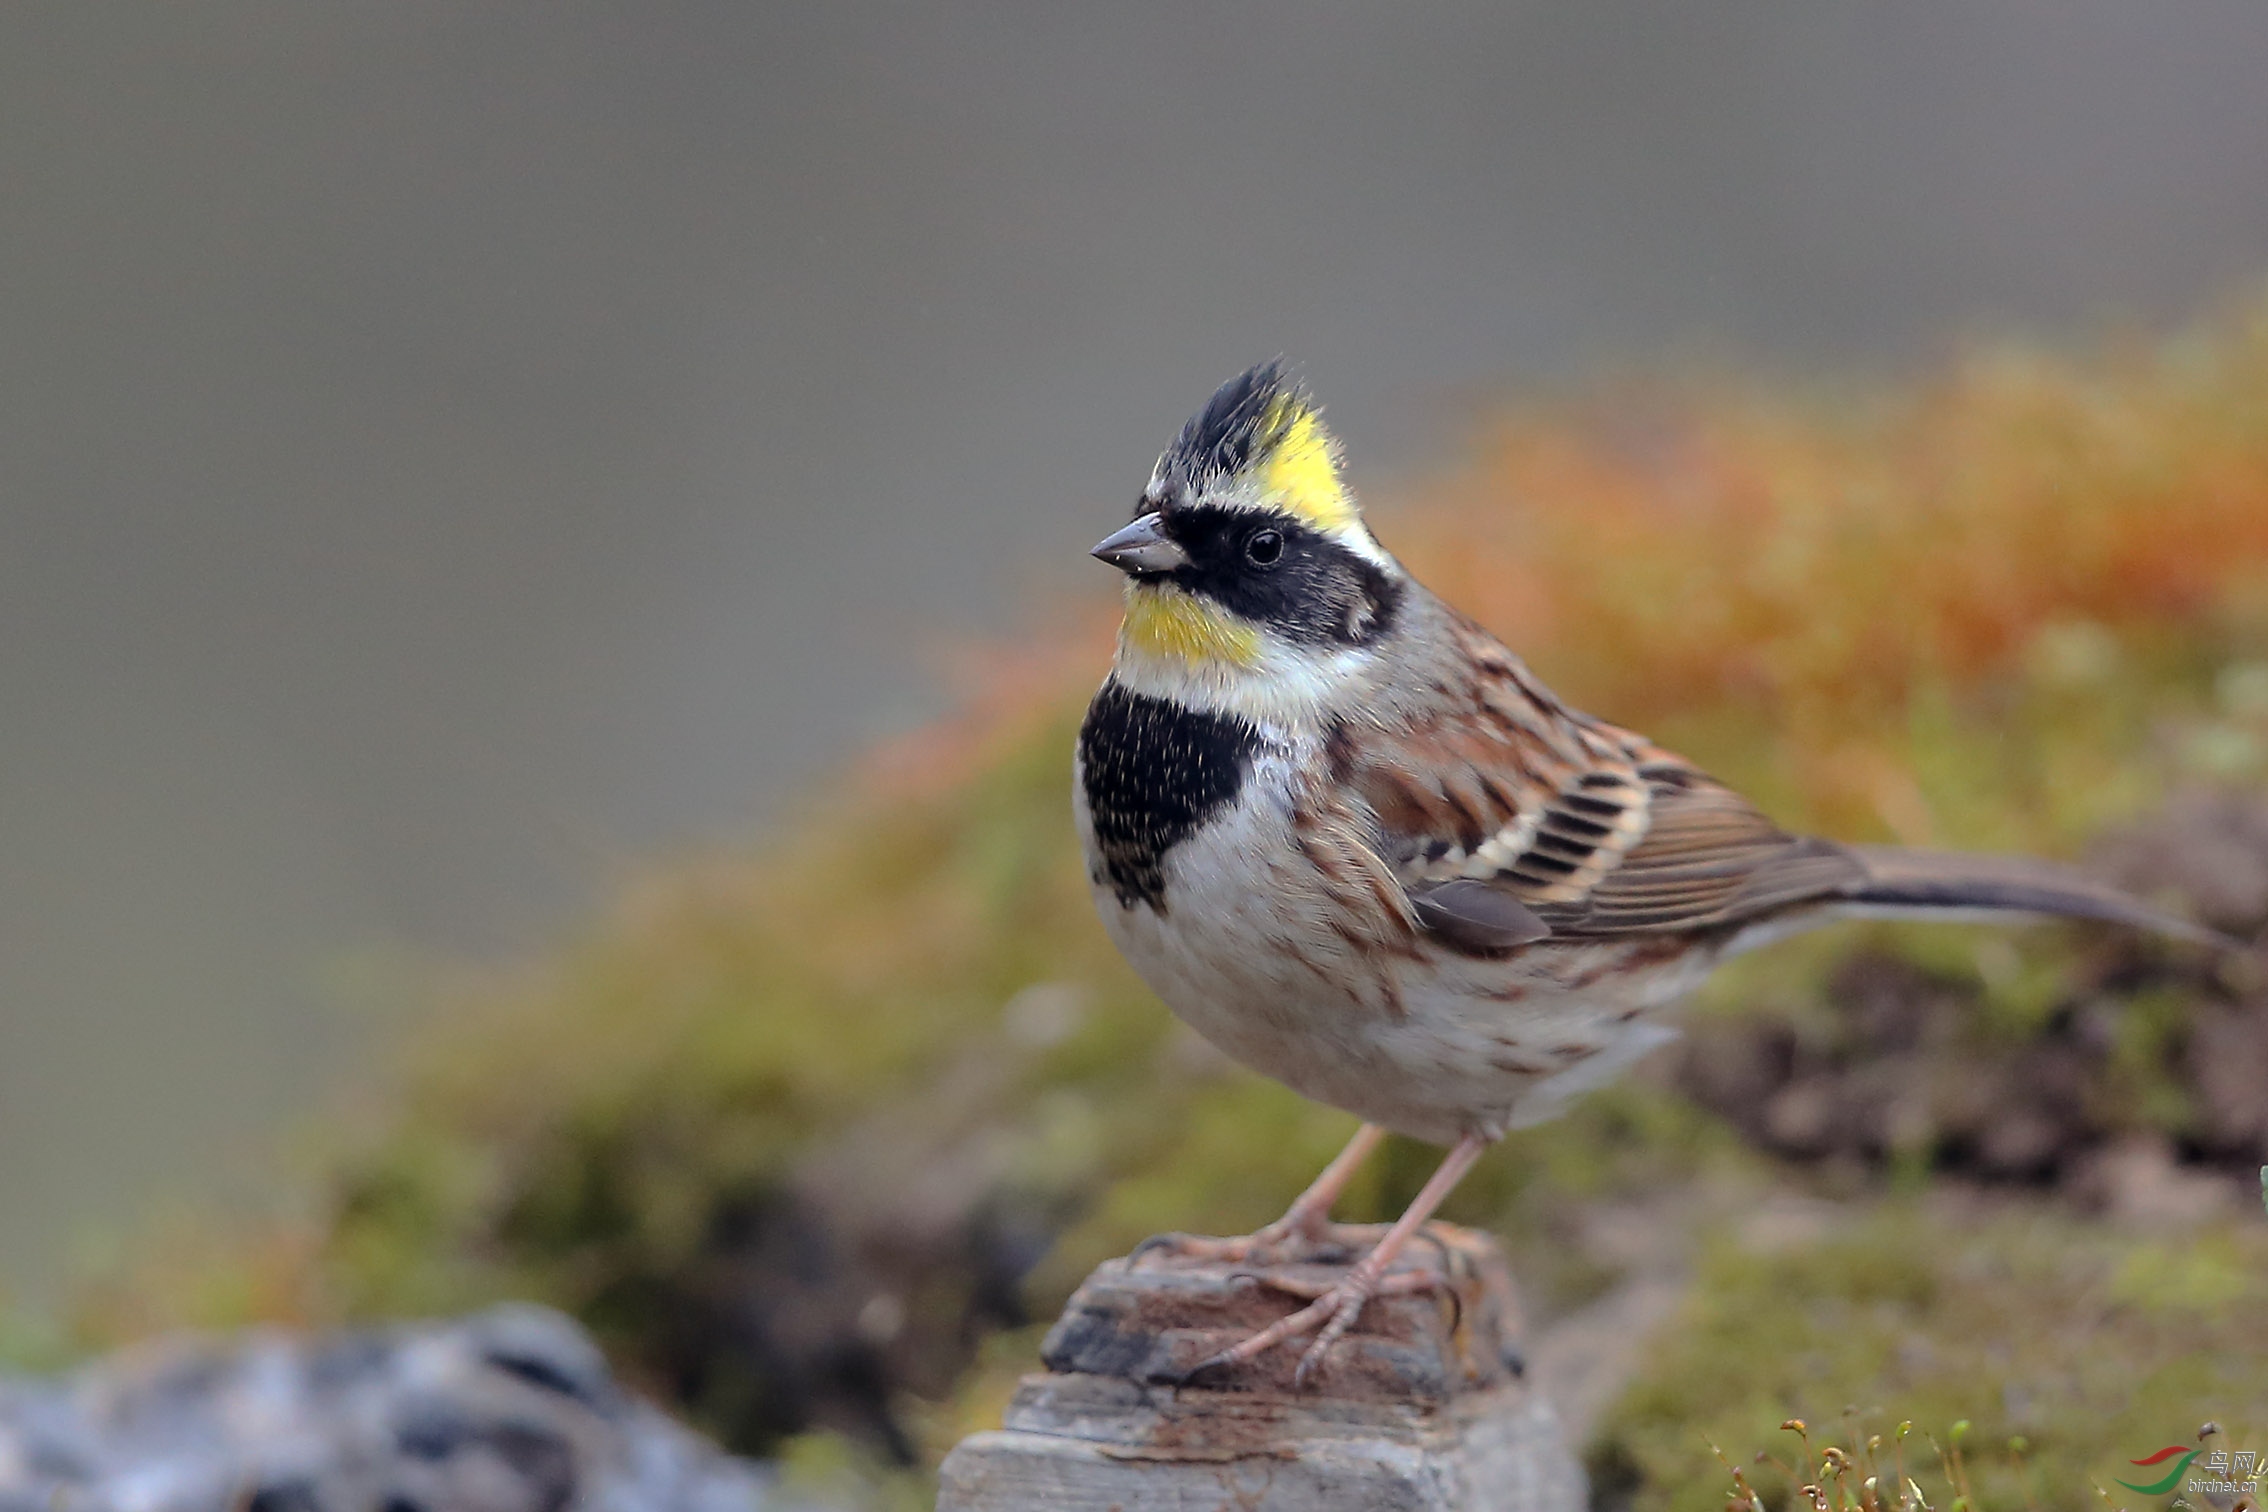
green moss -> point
(2092, 1345)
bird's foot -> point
(1285, 1242)
(1232, 1251)
(1332, 1308)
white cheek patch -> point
(1287, 685)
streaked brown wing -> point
(1708, 858)
(1514, 814)
(1509, 818)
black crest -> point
(1238, 426)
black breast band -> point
(1155, 772)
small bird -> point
(1353, 841)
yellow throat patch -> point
(1165, 622)
(1301, 472)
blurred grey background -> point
(450, 450)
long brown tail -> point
(1944, 884)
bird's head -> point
(1247, 558)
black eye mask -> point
(1309, 589)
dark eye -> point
(1264, 548)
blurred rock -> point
(2135, 1181)
(2228, 1063)
(1585, 1359)
(896, 1244)
(1423, 1406)
(511, 1410)
(1156, 1317)
(1907, 1065)
(2207, 851)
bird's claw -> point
(1278, 1243)
(1332, 1309)
(1195, 1247)
(1155, 1242)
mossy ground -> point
(2068, 1347)
(1999, 609)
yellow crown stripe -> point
(1166, 622)
(1301, 475)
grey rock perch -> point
(511, 1410)
(1422, 1408)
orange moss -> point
(1673, 558)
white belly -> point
(1434, 1045)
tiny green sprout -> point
(1960, 1431)
(1904, 1429)
(2018, 1444)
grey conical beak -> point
(1142, 547)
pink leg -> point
(1306, 1219)
(1310, 1211)
(1332, 1314)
